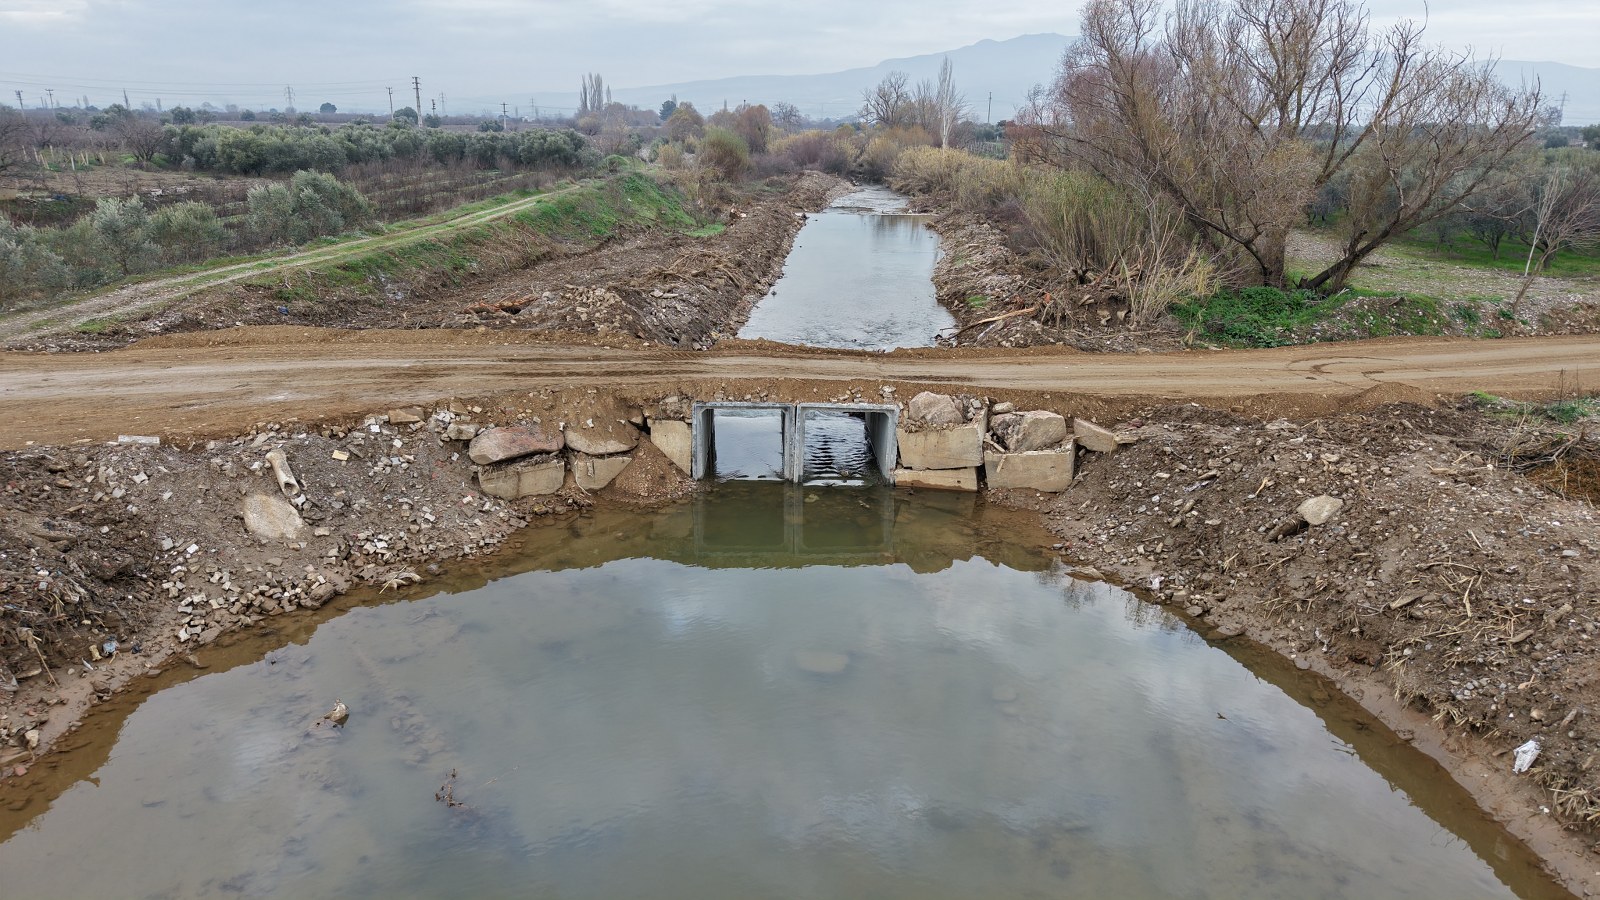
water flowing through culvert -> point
(770, 691)
(860, 276)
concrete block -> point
(514, 442)
(524, 479)
(593, 473)
(409, 415)
(675, 440)
(272, 518)
(1037, 470)
(1033, 430)
(1092, 437)
(938, 479)
(960, 447)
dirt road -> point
(144, 295)
(217, 382)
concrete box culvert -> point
(881, 423)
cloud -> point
(41, 12)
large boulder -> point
(272, 518)
(1033, 430)
(514, 442)
(938, 479)
(675, 440)
(602, 438)
(1037, 470)
(928, 408)
(523, 479)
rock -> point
(1038, 470)
(593, 473)
(461, 431)
(928, 408)
(272, 518)
(523, 479)
(946, 448)
(821, 662)
(675, 440)
(1320, 510)
(604, 439)
(340, 713)
(32, 736)
(1002, 408)
(410, 415)
(1032, 430)
(140, 439)
(514, 442)
(938, 479)
(1092, 437)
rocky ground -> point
(1431, 570)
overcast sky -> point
(347, 51)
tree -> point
(248, 115)
(787, 116)
(592, 95)
(667, 108)
(187, 232)
(1591, 136)
(432, 120)
(183, 115)
(888, 104)
(13, 140)
(1565, 216)
(406, 114)
(327, 109)
(724, 152)
(1238, 112)
(121, 231)
(685, 123)
(28, 267)
(754, 124)
(948, 103)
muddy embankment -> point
(1446, 594)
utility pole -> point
(391, 103)
(502, 115)
(434, 105)
(20, 104)
(126, 103)
(443, 107)
(416, 85)
(988, 117)
(52, 93)
(288, 99)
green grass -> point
(1252, 317)
(1563, 411)
(705, 231)
(1513, 256)
(978, 301)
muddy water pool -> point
(860, 276)
(771, 691)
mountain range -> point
(994, 75)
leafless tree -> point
(948, 103)
(888, 104)
(787, 116)
(1565, 216)
(1240, 112)
(13, 139)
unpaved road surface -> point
(145, 295)
(215, 383)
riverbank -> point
(1447, 594)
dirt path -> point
(218, 382)
(147, 294)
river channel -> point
(771, 690)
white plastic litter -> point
(1526, 754)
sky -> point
(348, 51)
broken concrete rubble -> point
(1093, 437)
(1038, 470)
(928, 408)
(675, 440)
(595, 472)
(512, 481)
(938, 479)
(602, 438)
(1032, 430)
(946, 448)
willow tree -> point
(1239, 113)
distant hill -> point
(1007, 68)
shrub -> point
(311, 205)
(29, 269)
(122, 234)
(187, 232)
(725, 153)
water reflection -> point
(769, 692)
(860, 276)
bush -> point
(187, 232)
(122, 234)
(821, 150)
(725, 153)
(311, 205)
(29, 269)
(1252, 316)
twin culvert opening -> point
(807, 443)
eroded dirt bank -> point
(1448, 594)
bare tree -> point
(1565, 216)
(13, 139)
(787, 116)
(888, 104)
(1240, 112)
(948, 103)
